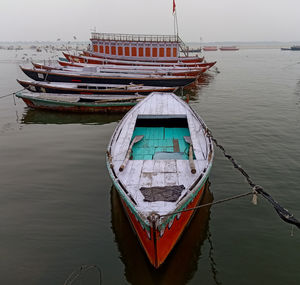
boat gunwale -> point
(125, 88)
(79, 104)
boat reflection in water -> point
(192, 92)
(181, 264)
(31, 116)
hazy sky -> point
(212, 20)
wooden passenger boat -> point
(96, 60)
(184, 59)
(107, 78)
(78, 103)
(90, 88)
(127, 70)
(139, 47)
(159, 159)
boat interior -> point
(163, 138)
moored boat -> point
(91, 88)
(139, 47)
(159, 159)
(78, 103)
(146, 67)
(210, 48)
(97, 60)
(195, 71)
(107, 78)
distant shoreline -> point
(241, 45)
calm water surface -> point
(58, 209)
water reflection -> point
(31, 116)
(297, 92)
(192, 92)
(180, 266)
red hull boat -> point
(156, 180)
(97, 60)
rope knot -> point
(255, 191)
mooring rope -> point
(10, 94)
(80, 271)
(209, 204)
(256, 189)
(282, 212)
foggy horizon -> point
(210, 21)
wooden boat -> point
(90, 88)
(138, 67)
(107, 78)
(159, 159)
(78, 103)
(79, 65)
(229, 48)
(184, 59)
(96, 60)
(127, 70)
(210, 48)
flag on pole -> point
(174, 6)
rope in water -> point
(256, 189)
(80, 271)
(282, 212)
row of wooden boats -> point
(91, 74)
(160, 155)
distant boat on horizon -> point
(225, 48)
(210, 48)
(295, 47)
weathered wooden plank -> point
(170, 166)
(132, 176)
(148, 166)
(146, 180)
(158, 179)
(171, 179)
(175, 145)
(185, 176)
(159, 166)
